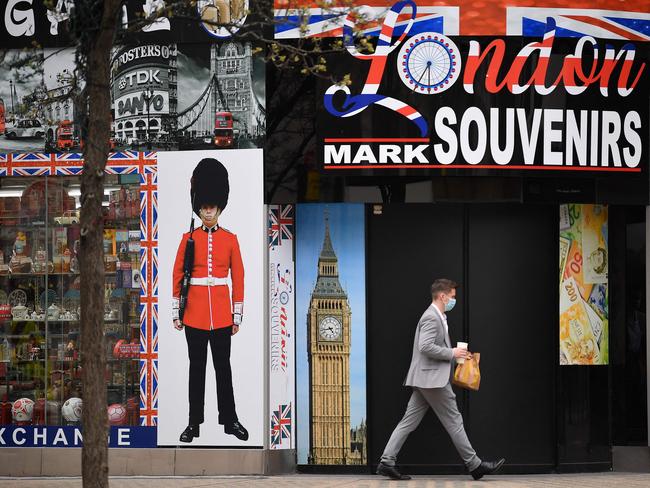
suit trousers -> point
(197, 350)
(443, 403)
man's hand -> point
(461, 353)
(235, 329)
(178, 325)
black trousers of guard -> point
(197, 350)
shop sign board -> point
(72, 436)
(431, 101)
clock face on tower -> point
(329, 329)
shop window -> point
(40, 353)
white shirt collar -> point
(442, 316)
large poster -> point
(282, 325)
(164, 96)
(242, 225)
(188, 96)
(331, 334)
(584, 313)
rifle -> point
(188, 263)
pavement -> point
(600, 480)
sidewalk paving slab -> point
(600, 480)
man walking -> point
(428, 376)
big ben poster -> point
(331, 334)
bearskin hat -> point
(209, 185)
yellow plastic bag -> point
(468, 374)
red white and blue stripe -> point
(604, 24)
(355, 104)
(314, 20)
(124, 162)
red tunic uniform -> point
(216, 252)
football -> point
(71, 409)
(116, 414)
(22, 410)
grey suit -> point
(429, 375)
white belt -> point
(209, 281)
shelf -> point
(49, 334)
(30, 225)
(48, 320)
(66, 321)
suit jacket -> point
(432, 354)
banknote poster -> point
(584, 331)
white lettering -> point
(447, 135)
(364, 155)
(473, 115)
(611, 132)
(60, 13)
(19, 21)
(576, 138)
(334, 156)
(123, 437)
(632, 121)
(502, 156)
(594, 138)
(15, 436)
(529, 139)
(552, 158)
(389, 152)
(78, 439)
(60, 437)
(42, 436)
(411, 154)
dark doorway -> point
(629, 361)
(505, 258)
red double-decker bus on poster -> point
(223, 129)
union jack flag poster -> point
(610, 20)
(280, 425)
(280, 224)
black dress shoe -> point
(237, 430)
(391, 471)
(487, 467)
(190, 432)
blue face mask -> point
(450, 304)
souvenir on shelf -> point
(18, 301)
(4, 268)
(20, 262)
(41, 264)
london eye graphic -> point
(428, 63)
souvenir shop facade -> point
(515, 165)
(496, 162)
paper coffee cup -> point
(461, 345)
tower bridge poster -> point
(164, 96)
(331, 334)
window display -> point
(40, 357)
